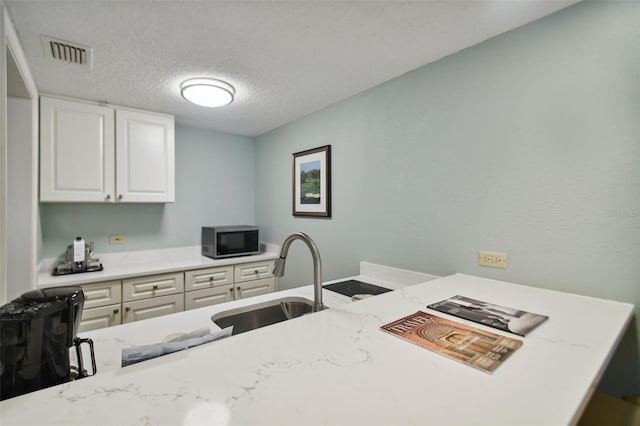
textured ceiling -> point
(286, 59)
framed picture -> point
(312, 182)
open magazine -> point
(501, 317)
(481, 349)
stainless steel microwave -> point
(230, 241)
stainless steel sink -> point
(250, 317)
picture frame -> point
(311, 182)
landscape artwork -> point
(311, 182)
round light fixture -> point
(207, 92)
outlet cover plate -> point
(492, 259)
(116, 239)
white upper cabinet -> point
(145, 157)
(93, 153)
(76, 151)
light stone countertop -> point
(110, 341)
(146, 262)
(336, 367)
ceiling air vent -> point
(65, 51)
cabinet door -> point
(102, 294)
(145, 157)
(152, 286)
(254, 271)
(151, 308)
(207, 278)
(255, 288)
(76, 151)
(101, 317)
(208, 296)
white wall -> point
(528, 144)
(19, 180)
(20, 235)
(3, 157)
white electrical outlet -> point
(116, 239)
(492, 259)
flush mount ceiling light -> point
(207, 92)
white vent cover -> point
(65, 51)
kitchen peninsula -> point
(337, 367)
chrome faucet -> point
(278, 269)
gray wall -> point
(215, 176)
(528, 144)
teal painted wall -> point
(215, 175)
(528, 144)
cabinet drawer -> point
(152, 286)
(253, 271)
(102, 294)
(255, 288)
(151, 308)
(101, 317)
(208, 296)
(207, 278)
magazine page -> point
(481, 349)
(501, 317)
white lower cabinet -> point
(152, 296)
(253, 271)
(101, 294)
(208, 296)
(255, 288)
(151, 308)
(254, 279)
(100, 317)
(227, 293)
(122, 301)
(208, 278)
(150, 286)
(211, 286)
(102, 305)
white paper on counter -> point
(137, 354)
